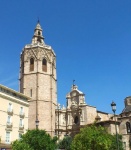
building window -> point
(76, 119)
(10, 107)
(7, 137)
(128, 127)
(9, 120)
(44, 65)
(21, 123)
(21, 111)
(32, 64)
(10, 110)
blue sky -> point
(91, 38)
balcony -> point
(10, 111)
(21, 127)
(22, 114)
(9, 124)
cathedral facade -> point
(38, 88)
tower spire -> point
(38, 20)
(38, 37)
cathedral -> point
(35, 106)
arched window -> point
(128, 127)
(76, 119)
(39, 33)
(44, 65)
(31, 64)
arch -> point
(44, 65)
(39, 33)
(76, 119)
(32, 64)
(128, 127)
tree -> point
(35, 140)
(65, 143)
(95, 138)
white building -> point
(13, 114)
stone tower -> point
(38, 80)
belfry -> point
(38, 81)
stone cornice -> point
(13, 99)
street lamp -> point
(113, 105)
(37, 123)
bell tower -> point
(38, 81)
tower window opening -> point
(38, 39)
(44, 65)
(39, 33)
(31, 64)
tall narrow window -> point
(39, 33)
(21, 111)
(22, 67)
(30, 92)
(128, 127)
(10, 108)
(44, 65)
(31, 64)
(7, 137)
(21, 123)
(9, 120)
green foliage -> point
(35, 140)
(95, 138)
(65, 143)
(113, 145)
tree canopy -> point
(95, 138)
(35, 140)
(65, 143)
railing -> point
(22, 114)
(10, 111)
(9, 124)
(21, 127)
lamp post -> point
(37, 123)
(113, 105)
